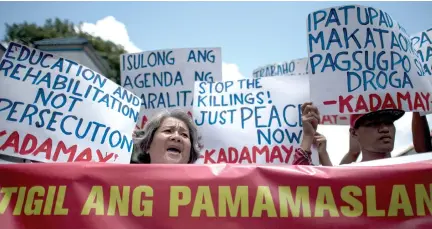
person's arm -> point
(310, 120)
(420, 133)
(321, 146)
(325, 159)
(353, 152)
(350, 157)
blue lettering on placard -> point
(68, 125)
(277, 118)
(46, 81)
(203, 76)
(154, 79)
(278, 135)
(147, 59)
(339, 16)
(425, 56)
(347, 39)
(382, 80)
(427, 69)
(12, 111)
(56, 101)
(25, 54)
(226, 100)
(165, 99)
(11, 49)
(250, 83)
(129, 97)
(53, 120)
(415, 40)
(424, 53)
(113, 103)
(425, 39)
(286, 68)
(422, 69)
(202, 86)
(5, 66)
(200, 56)
(15, 72)
(215, 117)
(62, 124)
(40, 59)
(399, 41)
(359, 60)
(218, 87)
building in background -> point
(77, 49)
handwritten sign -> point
(250, 120)
(422, 42)
(55, 110)
(288, 68)
(164, 79)
(362, 60)
(298, 67)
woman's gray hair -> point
(143, 138)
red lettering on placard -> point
(417, 101)
(268, 154)
(31, 145)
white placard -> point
(422, 42)
(55, 110)
(288, 68)
(164, 79)
(250, 121)
(362, 60)
(298, 67)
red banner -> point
(108, 196)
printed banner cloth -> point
(114, 196)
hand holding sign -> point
(320, 142)
(310, 119)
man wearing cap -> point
(375, 132)
(420, 134)
(372, 133)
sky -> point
(251, 34)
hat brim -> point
(392, 114)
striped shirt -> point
(302, 157)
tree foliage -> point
(27, 34)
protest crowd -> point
(175, 107)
